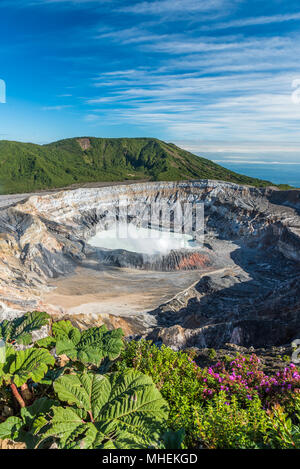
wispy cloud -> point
(207, 45)
(168, 6)
(193, 106)
(70, 3)
(56, 108)
(78, 2)
(134, 35)
(255, 162)
(254, 21)
(183, 44)
(91, 118)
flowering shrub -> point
(243, 378)
(225, 425)
(192, 392)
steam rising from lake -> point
(142, 240)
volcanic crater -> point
(241, 285)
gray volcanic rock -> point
(258, 307)
(248, 287)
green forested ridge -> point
(26, 167)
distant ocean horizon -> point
(276, 173)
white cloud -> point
(107, 99)
(67, 1)
(239, 105)
(209, 45)
(248, 161)
(254, 21)
(169, 6)
(56, 108)
(71, 3)
(91, 117)
(207, 86)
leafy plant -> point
(173, 440)
(20, 329)
(27, 364)
(223, 423)
(30, 423)
(90, 346)
(22, 365)
(284, 433)
(120, 410)
(212, 354)
(175, 375)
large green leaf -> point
(87, 391)
(40, 406)
(28, 364)
(48, 342)
(10, 428)
(20, 329)
(62, 329)
(68, 427)
(8, 354)
(135, 407)
(90, 346)
(112, 411)
(173, 440)
(31, 422)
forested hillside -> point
(26, 167)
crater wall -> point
(248, 287)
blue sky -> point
(218, 77)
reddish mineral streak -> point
(194, 260)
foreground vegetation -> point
(90, 389)
(26, 167)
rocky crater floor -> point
(240, 286)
